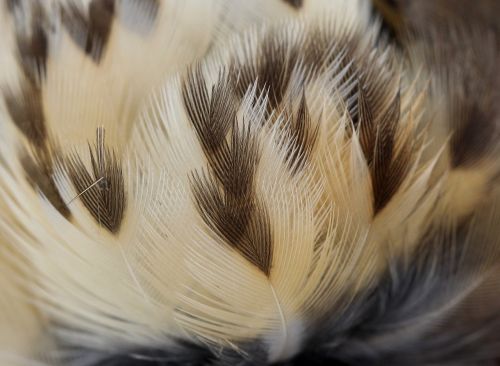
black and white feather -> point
(247, 183)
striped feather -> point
(254, 183)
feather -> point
(254, 183)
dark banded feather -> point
(90, 32)
(102, 187)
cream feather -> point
(231, 182)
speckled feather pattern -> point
(234, 182)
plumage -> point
(247, 182)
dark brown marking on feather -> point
(318, 49)
(351, 86)
(367, 128)
(323, 49)
(32, 42)
(101, 13)
(302, 136)
(228, 216)
(470, 63)
(235, 165)
(420, 16)
(40, 174)
(76, 23)
(241, 220)
(377, 133)
(460, 41)
(388, 169)
(225, 196)
(473, 136)
(90, 33)
(391, 15)
(102, 189)
(271, 68)
(383, 156)
(212, 114)
(465, 57)
(272, 65)
(297, 4)
(26, 111)
(33, 51)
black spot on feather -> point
(102, 189)
(90, 33)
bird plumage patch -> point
(235, 182)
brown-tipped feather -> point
(102, 187)
(90, 32)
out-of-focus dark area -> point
(460, 38)
(401, 16)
